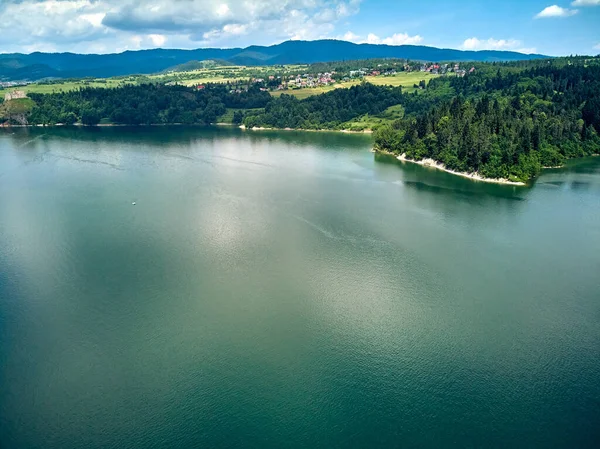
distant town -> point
(283, 82)
(276, 79)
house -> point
(472, 70)
(200, 86)
(357, 73)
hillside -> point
(198, 65)
(35, 66)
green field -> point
(373, 121)
(204, 80)
(66, 86)
(219, 75)
(310, 91)
(187, 78)
(404, 79)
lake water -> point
(288, 289)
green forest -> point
(507, 125)
(501, 120)
(142, 105)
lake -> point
(287, 289)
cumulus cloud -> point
(555, 11)
(526, 50)
(81, 25)
(586, 3)
(474, 43)
(158, 40)
(371, 38)
(350, 37)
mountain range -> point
(36, 66)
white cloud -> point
(597, 46)
(474, 44)
(526, 50)
(136, 41)
(81, 25)
(94, 19)
(371, 38)
(402, 39)
(235, 29)
(490, 44)
(555, 11)
(223, 10)
(158, 40)
(586, 3)
(350, 37)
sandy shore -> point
(474, 176)
(439, 166)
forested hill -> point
(142, 105)
(501, 120)
(504, 121)
(37, 66)
(329, 110)
(505, 125)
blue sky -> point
(450, 23)
(551, 27)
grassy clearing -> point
(49, 88)
(228, 116)
(310, 91)
(187, 78)
(374, 121)
(404, 79)
(219, 75)
(196, 81)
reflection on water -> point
(286, 289)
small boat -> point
(133, 204)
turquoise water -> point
(284, 289)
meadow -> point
(220, 75)
(405, 79)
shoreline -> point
(220, 124)
(101, 125)
(431, 163)
(345, 131)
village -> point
(324, 79)
(315, 78)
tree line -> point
(503, 120)
(142, 105)
(505, 125)
(328, 110)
